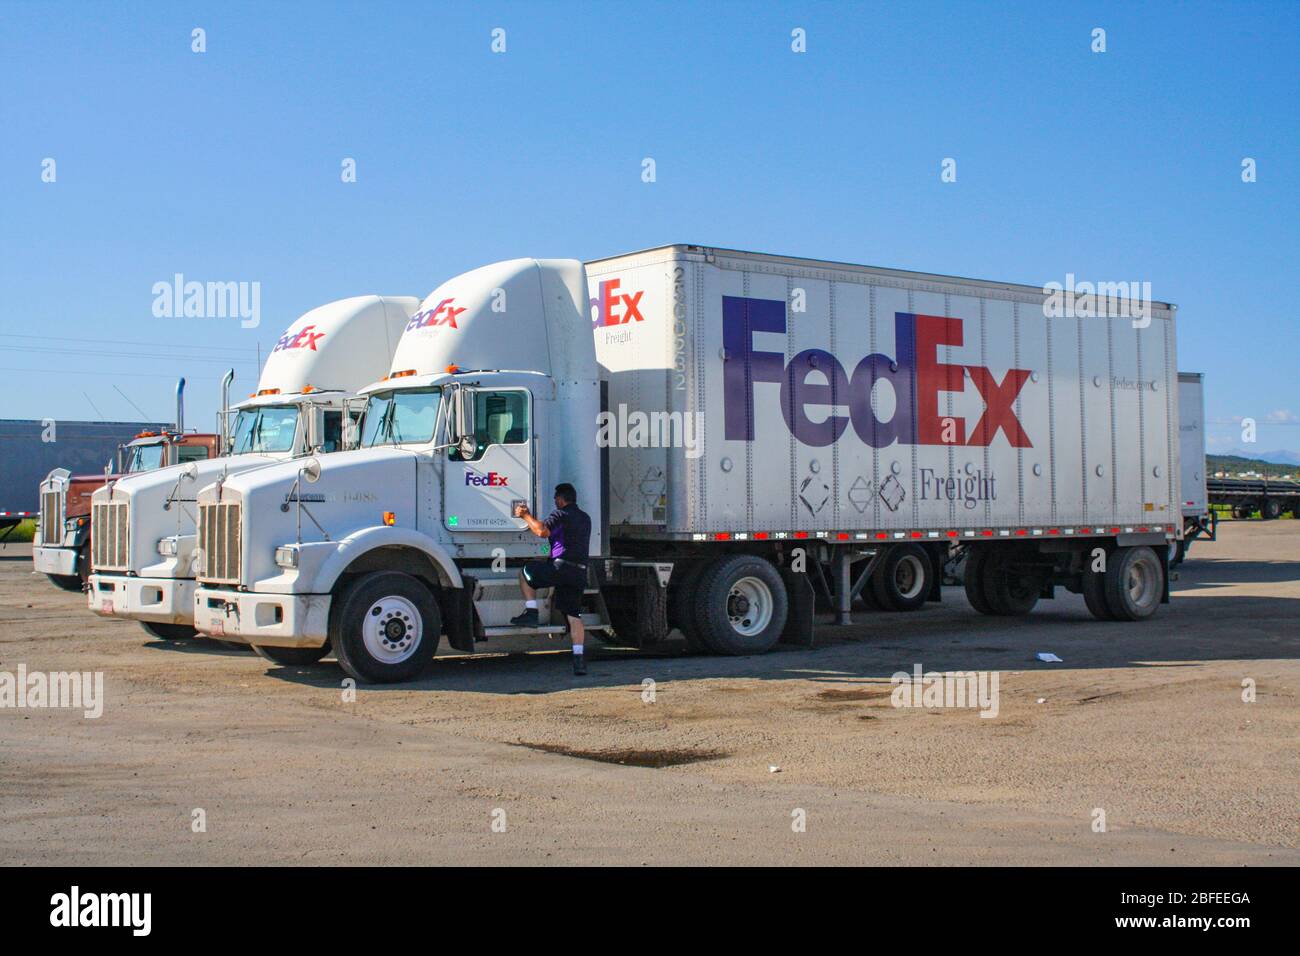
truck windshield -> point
(406, 416)
(145, 457)
(270, 428)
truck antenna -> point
(95, 407)
(143, 415)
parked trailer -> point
(733, 421)
(1198, 520)
(31, 449)
(145, 525)
(1269, 496)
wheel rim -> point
(1141, 583)
(392, 629)
(909, 577)
(749, 606)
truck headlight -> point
(286, 556)
(167, 547)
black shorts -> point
(568, 580)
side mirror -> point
(310, 470)
(190, 472)
(464, 430)
(315, 427)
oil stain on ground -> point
(656, 759)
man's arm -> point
(535, 526)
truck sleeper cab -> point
(144, 570)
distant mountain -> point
(1271, 463)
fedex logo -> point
(916, 376)
(304, 338)
(444, 313)
(493, 479)
(609, 299)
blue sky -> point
(225, 165)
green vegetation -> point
(25, 531)
(1236, 464)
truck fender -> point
(355, 546)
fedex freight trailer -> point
(746, 431)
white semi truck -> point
(745, 430)
(144, 525)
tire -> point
(386, 628)
(640, 617)
(1009, 592)
(1177, 552)
(1270, 508)
(169, 632)
(1134, 583)
(1240, 513)
(65, 582)
(292, 656)
(741, 605)
(973, 579)
(903, 578)
(682, 606)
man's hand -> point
(521, 510)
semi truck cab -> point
(63, 537)
(145, 526)
(492, 398)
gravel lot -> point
(1144, 721)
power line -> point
(66, 372)
(125, 355)
(66, 338)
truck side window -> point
(333, 439)
(186, 453)
(500, 418)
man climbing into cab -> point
(569, 529)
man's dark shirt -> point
(570, 529)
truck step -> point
(510, 630)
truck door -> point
(480, 489)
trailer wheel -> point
(1177, 551)
(1240, 512)
(683, 611)
(169, 632)
(1134, 583)
(1270, 508)
(386, 628)
(973, 579)
(292, 656)
(741, 605)
(639, 615)
(1010, 591)
(903, 578)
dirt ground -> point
(490, 758)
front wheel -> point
(169, 632)
(386, 628)
(291, 656)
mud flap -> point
(799, 623)
(457, 607)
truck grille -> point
(52, 517)
(110, 536)
(219, 542)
